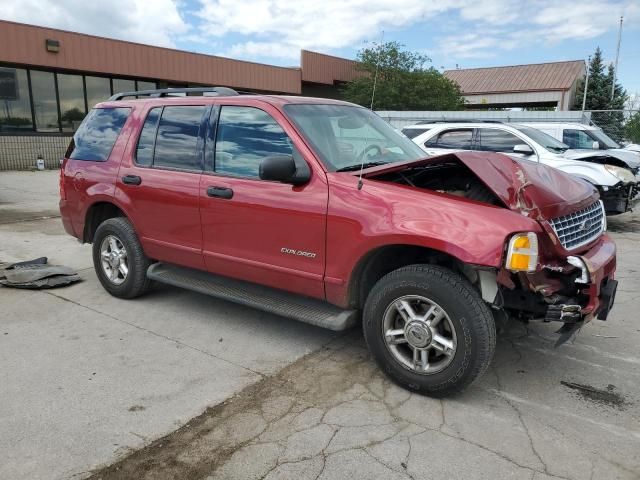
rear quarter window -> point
(413, 132)
(97, 135)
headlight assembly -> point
(622, 174)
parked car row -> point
(613, 172)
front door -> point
(159, 185)
(261, 231)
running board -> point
(279, 302)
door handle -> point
(132, 180)
(220, 192)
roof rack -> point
(458, 120)
(169, 92)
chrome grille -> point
(581, 227)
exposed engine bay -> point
(448, 177)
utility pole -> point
(615, 65)
(586, 84)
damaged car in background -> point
(614, 179)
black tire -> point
(467, 314)
(136, 282)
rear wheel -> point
(429, 330)
(119, 260)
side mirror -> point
(595, 145)
(285, 169)
(524, 149)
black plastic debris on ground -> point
(36, 274)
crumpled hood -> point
(629, 157)
(531, 188)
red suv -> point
(320, 211)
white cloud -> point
(280, 28)
(155, 22)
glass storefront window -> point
(43, 88)
(120, 85)
(146, 85)
(39, 107)
(71, 93)
(15, 105)
(98, 90)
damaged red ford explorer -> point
(320, 211)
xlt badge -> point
(299, 253)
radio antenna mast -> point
(375, 75)
(373, 94)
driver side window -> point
(244, 137)
(577, 139)
(495, 140)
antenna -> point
(373, 94)
(375, 75)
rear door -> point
(159, 184)
(449, 140)
(261, 231)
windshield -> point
(602, 138)
(541, 138)
(345, 136)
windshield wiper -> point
(356, 166)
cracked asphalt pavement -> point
(307, 404)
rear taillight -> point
(63, 193)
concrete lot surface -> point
(112, 389)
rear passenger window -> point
(144, 152)
(413, 132)
(98, 133)
(177, 138)
(454, 139)
(245, 136)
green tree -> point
(404, 82)
(599, 97)
(73, 114)
(632, 129)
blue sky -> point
(469, 33)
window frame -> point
(216, 125)
(200, 142)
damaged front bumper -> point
(620, 198)
(573, 292)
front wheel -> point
(429, 330)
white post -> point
(586, 84)
(615, 65)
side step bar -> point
(279, 302)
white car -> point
(618, 186)
(588, 137)
(634, 147)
